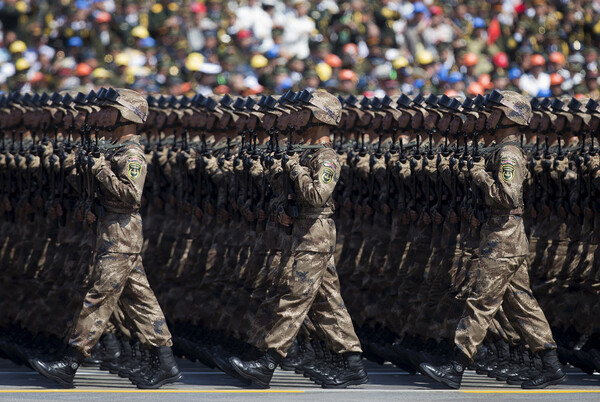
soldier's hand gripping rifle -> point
(476, 157)
(391, 185)
(290, 207)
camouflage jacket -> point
(503, 232)
(121, 182)
(314, 180)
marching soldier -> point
(118, 270)
(502, 272)
(311, 286)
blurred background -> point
(539, 48)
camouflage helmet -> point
(515, 106)
(325, 107)
(132, 105)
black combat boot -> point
(61, 371)
(122, 351)
(111, 348)
(532, 367)
(131, 358)
(551, 373)
(595, 358)
(260, 371)
(501, 355)
(351, 372)
(325, 368)
(94, 358)
(144, 364)
(288, 363)
(508, 367)
(304, 354)
(221, 359)
(314, 353)
(166, 370)
(449, 374)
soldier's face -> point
(29, 119)
(444, 122)
(351, 119)
(455, 125)
(283, 121)
(594, 123)
(172, 118)
(15, 116)
(268, 121)
(80, 119)
(224, 121)
(68, 119)
(94, 118)
(559, 123)
(45, 119)
(376, 122)
(252, 122)
(111, 116)
(185, 120)
(403, 121)
(493, 119)
(545, 123)
(211, 120)
(387, 121)
(416, 121)
(151, 117)
(468, 126)
(59, 116)
(480, 122)
(576, 124)
(365, 119)
(303, 118)
(534, 123)
(240, 124)
(202, 118)
(161, 119)
(431, 121)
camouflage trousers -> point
(502, 282)
(119, 279)
(311, 287)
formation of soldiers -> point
(218, 208)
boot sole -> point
(546, 384)
(515, 382)
(49, 376)
(252, 379)
(440, 380)
(169, 380)
(346, 384)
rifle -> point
(371, 186)
(476, 157)
(290, 207)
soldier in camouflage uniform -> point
(311, 286)
(118, 271)
(502, 273)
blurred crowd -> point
(244, 47)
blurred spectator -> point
(352, 46)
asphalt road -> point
(201, 383)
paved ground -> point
(201, 383)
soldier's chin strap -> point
(118, 125)
(503, 126)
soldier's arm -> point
(505, 186)
(316, 185)
(126, 182)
